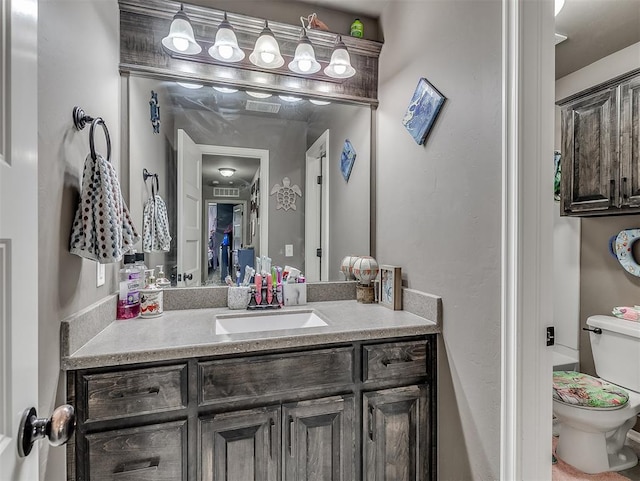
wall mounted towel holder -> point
(80, 119)
(146, 174)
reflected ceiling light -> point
(180, 38)
(189, 85)
(558, 6)
(319, 102)
(289, 98)
(340, 65)
(266, 53)
(258, 95)
(304, 61)
(226, 47)
(225, 90)
(226, 171)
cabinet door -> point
(590, 175)
(630, 142)
(319, 439)
(396, 435)
(241, 445)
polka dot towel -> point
(102, 229)
(155, 230)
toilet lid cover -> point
(582, 390)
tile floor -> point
(633, 473)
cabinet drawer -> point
(394, 360)
(134, 392)
(249, 377)
(153, 452)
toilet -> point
(595, 414)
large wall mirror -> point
(239, 173)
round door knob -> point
(57, 429)
(187, 277)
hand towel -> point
(155, 229)
(102, 230)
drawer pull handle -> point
(390, 362)
(137, 466)
(152, 391)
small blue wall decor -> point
(423, 109)
(347, 159)
(154, 107)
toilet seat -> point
(587, 392)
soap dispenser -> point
(162, 281)
(151, 297)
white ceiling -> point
(595, 28)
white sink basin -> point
(267, 321)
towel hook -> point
(80, 119)
(146, 174)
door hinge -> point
(551, 336)
(319, 180)
(319, 252)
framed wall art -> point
(347, 159)
(423, 109)
(391, 287)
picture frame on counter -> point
(391, 287)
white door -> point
(238, 221)
(189, 210)
(18, 232)
(316, 211)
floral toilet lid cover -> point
(582, 390)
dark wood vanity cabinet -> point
(600, 145)
(360, 411)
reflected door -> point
(189, 210)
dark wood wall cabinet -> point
(358, 411)
(601, 149)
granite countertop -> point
(180, 334)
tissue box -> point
(294, 294)
(237, 297)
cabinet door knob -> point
(57, 429)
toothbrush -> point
(258, 289)
(269, 291)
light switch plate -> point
(288, 250)
(100, 275)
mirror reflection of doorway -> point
(226, 223)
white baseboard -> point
(634, 436)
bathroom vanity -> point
(351, 400)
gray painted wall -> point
(439, 208)
(69, 73)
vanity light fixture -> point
(258, 95)
(266, 53)
(319, 102)
(340, 64)
(190, 85)
(225, 90)
(226, 171)
(181, 38)
(289, 98)
(304, 62)
(226, 47)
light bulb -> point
(226, 51)
(304, 65)
(267, 57)
(340, 69)
(181, 44)
(258, 95)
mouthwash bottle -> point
(129, 289)
(357, 28)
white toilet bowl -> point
(592, 439)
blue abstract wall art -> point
(423, 110)
(347, 159)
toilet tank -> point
(616, 352)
